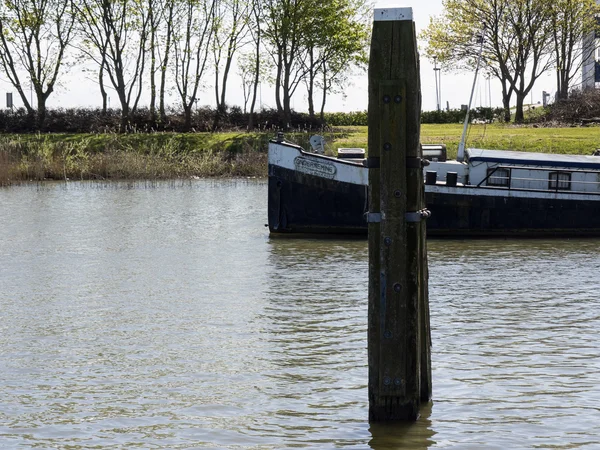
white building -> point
(590, 70)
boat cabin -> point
(512, 170)
(534, 171)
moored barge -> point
(490, 193)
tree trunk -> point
(255, 86)
(311, 86)
(102, 89)
(40, 117)
(324, 98)
(187, 109)
(287, 112)
(563, 93)
(519, 115)
(124, 117)
(152, 64)
(506, 94)
(163, 67)
(558, 83)
(153, 87)
(220, 112)
(222, 106)
(278, 85)
(286, 116)
(506, 106)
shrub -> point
(580, 105)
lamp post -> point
(438, 85)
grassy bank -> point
(173, 155)
(576, 140)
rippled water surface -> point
(162, 316)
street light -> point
(437, 73)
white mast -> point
(460, 157)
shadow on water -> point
(401, 435)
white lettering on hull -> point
(316, 168)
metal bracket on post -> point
(374, 217)
(372, 163)
(416, 163)
(417, 216)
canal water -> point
(161, 315)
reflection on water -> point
(409, 436)
(163, 316)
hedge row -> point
(479, 114)
(89, 120)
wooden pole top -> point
(388, 14)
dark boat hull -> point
(303, 201)
(467, 214)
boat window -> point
(498, 177)
(559, 181)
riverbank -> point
(36, 157)
(131, 156)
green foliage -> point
(353, 118)
(479, 114)
(522, 39)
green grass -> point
(576, 140)
(235, 154)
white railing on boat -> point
(555, 184)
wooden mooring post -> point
(398, 325)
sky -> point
(81, 90)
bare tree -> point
(164, 51)
(194, 22)
(153, 24)
(34, 35)
(336, 45)
(231, 30)
(256, 31)
(160, 41)
(287, 25)
(571, 22)
(115, 34)
(516, 42)
(529, 58)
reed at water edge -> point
(26, 158)
(142, 156)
